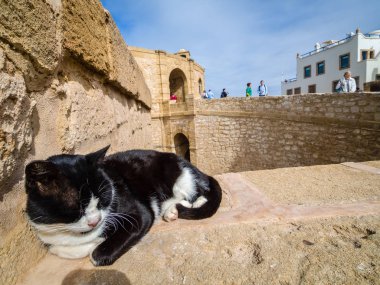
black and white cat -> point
(102, 206)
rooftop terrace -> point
(332, 43)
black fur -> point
(60, 188)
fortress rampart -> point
(238, 134)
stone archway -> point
(182, 146)
(178, 84)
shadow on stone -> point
(96, 277)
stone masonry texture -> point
(68, 84)
(238, 134)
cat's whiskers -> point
(109, 222)
(116, 220)
(163, 196)
(106, 192)
(115, 202)
(115, 223)
(101, 186)
(121, 224)
(129, 216)
(125, 217)
(36, 218)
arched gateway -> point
(182, 146)
(178, 84)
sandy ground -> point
(373, 163)
(323, 184)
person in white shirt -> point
(346, 84)
(210, 95)
(262, 89)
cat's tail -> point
(209, 208)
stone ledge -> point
(284, 116)
(251, 239)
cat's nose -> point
(93, 223)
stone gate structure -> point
(172, 122)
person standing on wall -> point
(346, 84)
(210, 95)
(248, 90)
(262, 89)
(224, 93)
(204, 94)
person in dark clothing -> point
(224, 93)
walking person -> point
(248, 90)
(346, 84)
(262, 89)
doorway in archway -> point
(177, 84)
(182, 146)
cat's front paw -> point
(100, 259)
(171, 214)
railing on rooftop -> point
(290, 80)
(372, 36)
(317, 50)
(325, 47)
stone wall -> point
(237, 134)
(67, 84)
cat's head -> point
(68, 192)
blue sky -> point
(240, 41)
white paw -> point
(199, 202)
(186, 204)
(171, 214)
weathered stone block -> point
(30, 27)
(16, 132)
(85, 33)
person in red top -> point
(173, 97)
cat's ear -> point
(94, 157)
(40, 169)
(45, 178)
(40, 172)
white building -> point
(318, 71)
